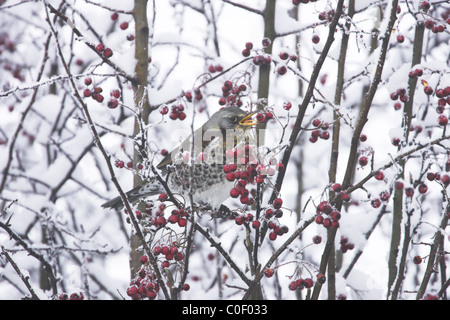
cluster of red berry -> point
(8, 45)
(170, 252)
(327, 216)
(106, 52)
(232, 94)
(144, 285)
(215, 68)
(263, 117)
(321, 131)
(443, 178)
(346, 245)
(400, 93)
(96, 94)
(178, 217)
(435, 27)
(72, 296)
(286, 57)
(129, 165)
(326, 15)
(176, 111)
(300, 284)
(260, 58)
(197, 95)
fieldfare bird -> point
(200, 175)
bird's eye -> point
(233, 119)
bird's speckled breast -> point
(209, 183)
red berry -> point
(245, 52)
(417, 259)
(335, 216)
(277, 203)
(115, 94)
(87, 92)
(282, 70)
(100, 47)
(395, 141)
(230, 176)
(321, 278)
(182, 222)
(445, 179)
(394, 96)
(283, 55)
(234, 193)
(112, 103)
(376, 203)
(440, 93)
(379, 175)
(317, 239)
(143, 259)
(124, 25)
(363, 161)
(132, 291)
(384, 195)
(272, 236)
(164, 110)
(400, 38)
(287, 106)
(429, 24)
(163, 196)
(442, 120)
(266, 42)
(428, 91)
(151, 294)
(173, 219)
(256, 224)
(319, 219)
(308, 283)
(268, 272)
(260, 117)
(107, 53)
(119, 163)
(315, 39)
(239, 220)
(409, 192)
(268, 115)
(425, 5)
(423, 188)
(399, 185)
(157, 250)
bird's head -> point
(231, 118)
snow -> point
(58, 178)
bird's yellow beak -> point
(247, 121)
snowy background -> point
(54, 178)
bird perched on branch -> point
(195, 168)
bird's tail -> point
(147, 189)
